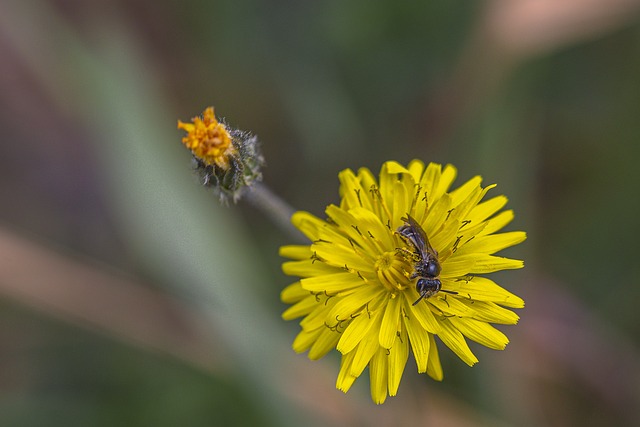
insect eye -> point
(421, 285)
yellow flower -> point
(208, 139)
(357, 291)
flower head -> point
(228, 159)
(208, 139)
(357, 291)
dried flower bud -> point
(228, 160)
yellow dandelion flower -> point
(228, 160)
(396, 264)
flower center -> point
(393, 271)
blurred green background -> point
(130, 297)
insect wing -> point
(419, 238)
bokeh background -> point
(129, 297)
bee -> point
(426, 265)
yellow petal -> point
(293, 293)
(317, 318)
(472, 200)
(449, 305)
(421, 313)
(356, 331)
(305, 339)
(445, 238)
(403, 192)
(308, 224)
(481, 332)
(363, 354)
(482, 289)
(492, 313)
(345, 379)
(354, 230)
(397, 360)
(453, 339)
(301, 308)
(434, 367)
(332, 283)
(436, 181)
(416, 167)
(447, 176)
(457, 266)
(492, 243)
(388, 178)
(308, 268)
(189, 127)
(487, 208)
(390, 321)
(342, 256)
(460, 265)
(437, 213)
(465, 190)
(367, 180)
(324, 343)
(296, 252)
(378, 376)
(371, 226)
(394, 168)
(490, 263)
(497, 222)
(430, 181)
(419, 340)
(352, 192)
(350, 305)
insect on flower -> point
(426, 265)
(357, 278)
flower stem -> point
(278, 211)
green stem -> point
(278, 211)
